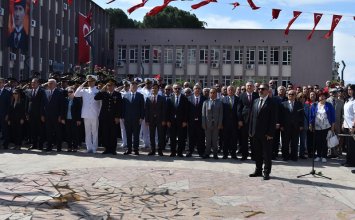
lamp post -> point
(88, 40)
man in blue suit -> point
(5, 102)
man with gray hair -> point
(5, 102)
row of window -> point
(203, 53)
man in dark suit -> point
(246, 102)
(261, 130)
(230, 123)
(110, 114)
(36, 102)
(54, 115)
(291, 123)
(155, 118)
(133, 115)
(178, 121)
(18, 38)
(5, 102)
(167, 96)
(195, 131)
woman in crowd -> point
(301, 97)
(322, 119)
(349, 125)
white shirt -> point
(321, 122)
(349, 113)
(91, 107)
(145, 92)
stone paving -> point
(36, 185)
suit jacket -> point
(195, 112)
(111, 104)
(55, 105)
(17, 112)
(231, 115)
(292, 118)
(212, 118)
(35, 104)
(23, 42)
(133, 111)
(339, 112)
(263, 123)
(155, 111)
(75, 108)
(246, 106)
(5, 102)
(178, 113)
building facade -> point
(52, 37)
(224, 55)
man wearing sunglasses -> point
(261, 130)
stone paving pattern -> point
(36, 185)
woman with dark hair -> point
(301, 97)
(349, 125)
(321, 120)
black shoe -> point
(244, 158)
(206, 156)
(32, 147)
(180, 155)
(49, 149)
(353, 171)
(136, 152)
(266, 176)
(285, 159)
(255, 174)
(152, 153)
(303, 157)
(59, 150)
(235, 157)
(128, 152)
(215, 157)
(160, 153)
(225, 157)
(114, 153)
(75, 150)
(105, 152)
(189, 155)
(172, 155)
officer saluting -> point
(110, 114)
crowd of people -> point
(256, 120)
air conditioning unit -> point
(178, 65)
(2, 11)
(75, 40)
(12, 56)
(22, 58)
(50, 62)
(65, 6)
(58, 32)
(33, 23)
(120, 64)
(250, 66)
(215, 65)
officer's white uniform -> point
(144, 133)
(123, 129)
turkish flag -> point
(335, 22)
(275, 13)
(317, 17)
(89, 15)
(252, 5)
(69, 2)
(132, 9)
(159, 8)
(296, 14)
(34, 2)
(203, 3)
(235, 4)
(83, 46)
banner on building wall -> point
(18, 25)
(83, 45)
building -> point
(224, 55)
(52, 29)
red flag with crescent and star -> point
(83, 46)
(317, 17)
(156, 10)
(135, 7)
(203, 3)
(335, 22)
(296, 14)
(252, 5)
(275, 13)
(235, 4)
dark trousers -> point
(132, 128)
(290, 141)
(166, 135)
(262, 153)
(321, 142)
(196, 137)
(310, 143)
(244, 139)
(350, 149)
(109, 134)
(72, 134)
(15, 133)
(177, 131)
(4, 131)
(229, 141)
(54, 136)
(37, 132)
(156, 126)
(276, 143)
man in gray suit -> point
(212, 115)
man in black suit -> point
(178, 120)
(261, 130)
(18, 38)
(133, 115)
(36, 102)
(291, 123)
(230, 123)
(155, 118)
(54, 115)
(5, 102)
(110, 114)
(167, 96)
(246, 102)
(195, 130)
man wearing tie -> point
(291, 123)
(196, 133)
(212, 118)
(261, 130)
(18, 38)
(133, 115)
(5, 102)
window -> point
(191, 56)
(214, 80)
(179, 55)
(214, 55)
(168, 55)
(121, 53)
(262, 55)
(226, 80)
(145, 54)
(133, 55)
(227, 56)
(286, 56)
(169, 79)
(274, 56)
(203, 81)
(203, 55)
(191, 79)
(238, 55)
(156, 54)
(250, 55)
(286, 81)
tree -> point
(172, 17)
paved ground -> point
(36, 185)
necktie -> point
(260, 105)
(50, 95)
(196, 102)
(33, 93)
(132, 97)
(334, 103)
(17, 39)
(177, 101)
(155, 100)
(230, 102)
(249, 97)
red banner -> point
(295, 16)
(83, 46)
(317, 17)
(335, 22)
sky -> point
(221, 15)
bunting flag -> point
(317, 17)
(252, 5)
(156, 10)
(70, 2)
(205, 2)
(135, 7)
(296, 14)
(275, 13)
(109, 2)
(335, 22)
(235, 4)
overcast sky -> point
(221, 15)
